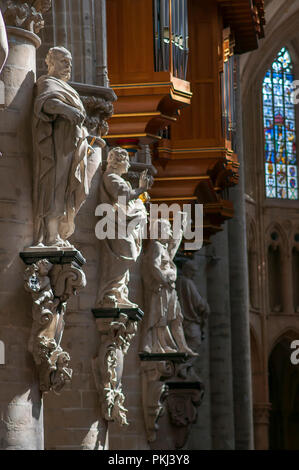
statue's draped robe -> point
(119, 255)
(3, 43)
(60, 158)
(161, 302)
(194, 309)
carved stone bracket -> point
(183, 401)
(51, 281)
(98, 103)
(26, 14)
(155, 370)
(117, 328)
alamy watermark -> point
(295, 354)
(122, 220)
(295, 92)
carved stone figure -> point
(195, 308)
(118, 255)
(61, 152)
(26, 14)
(163, 320)
(50, 287)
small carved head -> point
(189, 269)
(59, 62)
(44, 266)
(162, 229)
(118, 159)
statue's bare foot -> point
(169, 350)
(57, 241)
(189, 351)
(126, 304)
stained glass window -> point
(279, 128)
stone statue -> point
(25, 14)
(163, 320)
(195, 308)
(129, 215)
(61, 153)
(3, 43)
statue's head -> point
(161, 229)
(118, 159)
(189, 269)
(59, 62)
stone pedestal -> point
(21, 423)
(117, 328)
(183, 401)
(51, 278)
(170, 403)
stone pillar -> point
(21, 422)
(261, 413)
(221, 381)
(239, 302)
(101, 43)
(200, 435)
(287, 283)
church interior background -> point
(199, 94)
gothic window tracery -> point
(281, 171)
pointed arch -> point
(282, 239)
(286, 336)
(281, 172)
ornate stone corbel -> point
(98, 110)
(183, 401)
(98, 104)
(26, 14)
(154, 393)
(50, 285)
(117, 328)
(156, 369)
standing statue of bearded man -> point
(61, 152)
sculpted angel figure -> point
(119, 253)
(61, 152)
(163, 319)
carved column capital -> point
(117, 328)
(26, 14)
(50, 285)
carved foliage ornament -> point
(26, 14)
(154, 393)
(50, 287)
(116, 337)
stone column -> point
(239, 302)
(101, 43)
(21, 423)
(221, 380)
(261, 413)
(200, 435)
